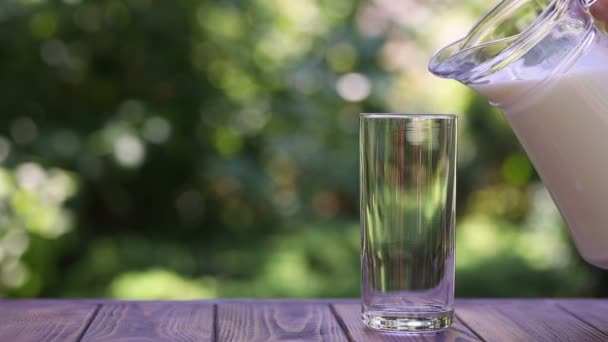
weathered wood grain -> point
(277, 322)
(43, 320)
(152, 321)
(524, 320)
(592, 311)
(350, 315)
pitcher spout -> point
(513, 31)
(467, 64)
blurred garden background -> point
(209, 148)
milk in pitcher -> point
(564, 130)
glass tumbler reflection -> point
(408, 183)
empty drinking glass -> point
(407, 175)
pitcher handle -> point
(588, 3)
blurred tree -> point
(214, 148)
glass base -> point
(417, 319)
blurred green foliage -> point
(199, 149)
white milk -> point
(565, 133)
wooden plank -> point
(36, 320)
(524, 320)
(152, 321)
(277, 321)
(592, 311)
(350, 315)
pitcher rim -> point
(521, 42)
(428, 116)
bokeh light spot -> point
(44, 25)
(156, 130)
(13, 274)
(342, 57)
(399, 53)
(224, 22)
(24, 130)
(15, 242)
(59, 186)
(252, 118)
(279, 47)
(30, 176)
(129, 151)
(372, 21)
(302, 15)
(131, 110)
(55, 53)
(353, 87)
(227, 141)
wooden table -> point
(303, 320)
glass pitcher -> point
(545, 65)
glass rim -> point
(426, 116)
